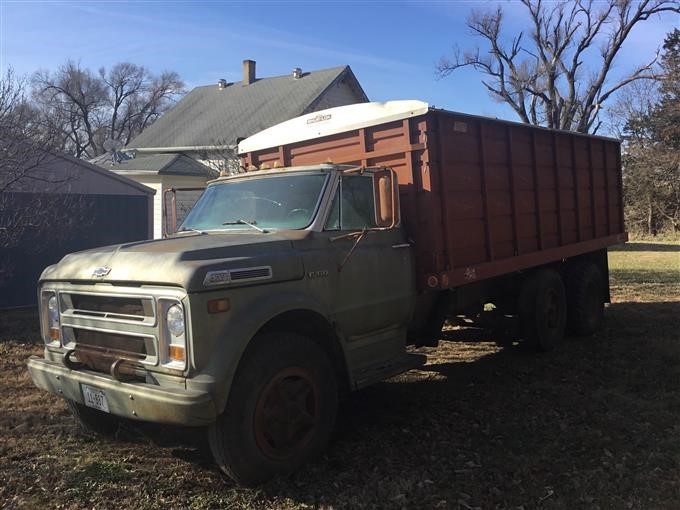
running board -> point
(378, 372)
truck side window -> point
(353, 207)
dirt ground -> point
(595, 424)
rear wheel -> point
(542, 311)
(585, 299)
(504, 331)
(280, 412)
(92, 420)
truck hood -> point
(184, 260)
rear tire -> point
(543, 309)
(585, 299)
(504, 332)
(92, 420)
(280, 412)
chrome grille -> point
(104, 323)
(120, 308)
(112, 343)
(99, 350)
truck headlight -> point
(53, 312)
(175, 340)
(52, 330)
(175, 320)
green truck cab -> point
(281, 290)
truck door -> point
(375, 285)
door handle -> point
(402, 245)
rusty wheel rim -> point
(287, 413)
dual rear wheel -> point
(543, 309)
(548, 308)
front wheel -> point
(92, 420)
(280, 411)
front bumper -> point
(135, 400)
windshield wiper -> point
(244, 222)
(189, 229)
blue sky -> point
(391, 46)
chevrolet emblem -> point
(101, 272)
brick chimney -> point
(248, 72)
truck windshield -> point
(271, 202)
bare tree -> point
(541, 74)
(89, 108)
(136, 98)
(72, 99)
(22, 135)
(29, 218)
(223, 158)
(633, 101)
(651, 154)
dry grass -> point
(593, 425)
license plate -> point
(95, 398)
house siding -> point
(184, 200)
(154, 182)
(340, 94)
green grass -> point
(642, 270)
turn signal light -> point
(176, 352)
(55, 335)
(219, 305)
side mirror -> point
(386, 188)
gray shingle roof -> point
(164, 164)
(209, 115)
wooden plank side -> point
(591, 186)
(485, 192)
(431, 131)
(429, 241)
(536, 190)
(613, 151)
(577, 194)
(556, 175)
(513, 189)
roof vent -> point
(297, 73)
(222, 83)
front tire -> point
(280, 412)
(92, 420)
